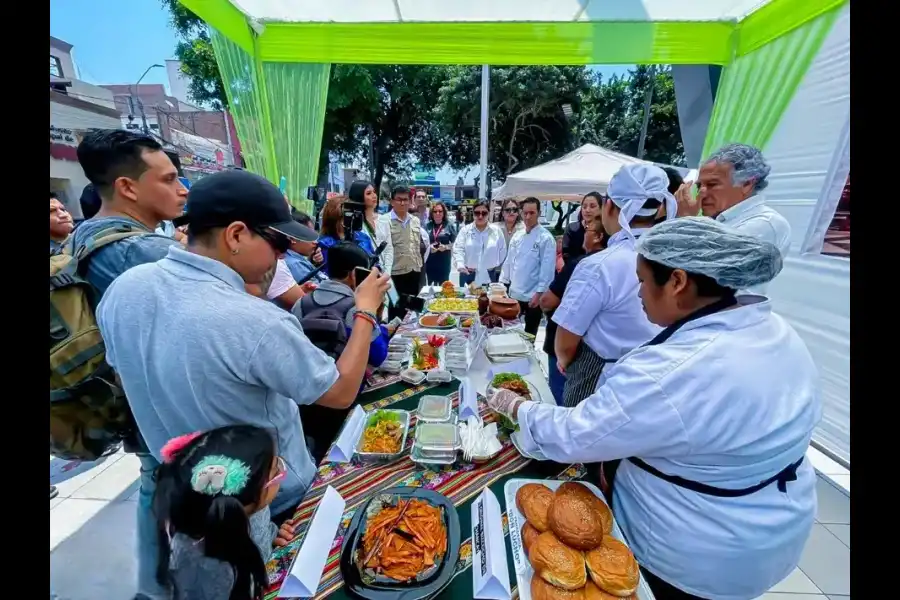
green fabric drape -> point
(245, 99)
(278, 111)
(755, 89)
(297, 94)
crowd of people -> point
(240, 337)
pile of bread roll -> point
(567, 539)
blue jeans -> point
(556, 380)
(148, 532)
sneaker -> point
(53, 492)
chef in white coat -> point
(730, 187)
(600, 317)
(712, 419)
(479, 249)
(530, 264)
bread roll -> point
(582, 491)
(556, 563)
(529, 534)
(592, 592)
(533, 501)
(541, 590)
(613, 568)
(576, 521)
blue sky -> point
(115, 44)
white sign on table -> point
(490, 575)
(468, 401)
(302, 579)
(345, 445)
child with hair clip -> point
(212, 504)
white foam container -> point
(523, 569)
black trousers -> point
(665, 591)
(409, 284)
(532, 317)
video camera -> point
(354, 218)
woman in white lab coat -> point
(712, 419)
(479, 249)
(600, 318)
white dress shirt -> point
(479, 250)
(601, 302)
(753, 217)
(730, 400)
(383, 234)
(530, 263)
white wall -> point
(813, 291)
(81, 89)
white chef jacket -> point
(479, 250)
(383, 234)
(753, 217)
(530, 263)
(729, 400)
(601, 302)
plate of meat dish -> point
(403, 544)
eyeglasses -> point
(400, 200)
(480, 213)
(279, 242)
(511, 210)
(282, 472)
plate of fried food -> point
(566, 544)
(403, 544)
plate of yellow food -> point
(384, 434)
(454, 305)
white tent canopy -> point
(375, 11)
(587, 169)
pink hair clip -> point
(176, 445)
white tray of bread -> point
(567, 539)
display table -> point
(461, 483)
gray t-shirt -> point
(195, 351)
(196, 576)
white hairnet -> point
(633, 185)
(704, 246)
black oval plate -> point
(400, 591)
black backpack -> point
(326, 324)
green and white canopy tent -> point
(274, 55)
(784, 88)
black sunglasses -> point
(279, 242)
(511, 209)
(480, 213)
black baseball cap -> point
(222, 198)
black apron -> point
(582, 375)
(608, 469)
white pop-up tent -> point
(569, 178)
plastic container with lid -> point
(437, 437)
(431, 460)
(434, 409)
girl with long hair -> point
(332, 231)
(512, 219)
(573, 238)
(212, 505)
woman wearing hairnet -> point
(712, 419)
(599, 317)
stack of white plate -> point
(503, 346)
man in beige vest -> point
(407, 246)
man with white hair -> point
(729, 189)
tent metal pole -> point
(485, 113)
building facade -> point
(75, 107)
